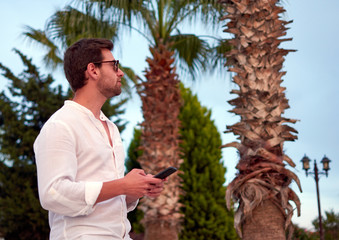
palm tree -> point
(161, 102)
(261, 187)
(159, 22)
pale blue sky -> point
(311, 80)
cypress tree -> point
(203, 175)
(204, 206)
(24, 108)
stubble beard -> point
(109, 91)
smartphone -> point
(165, 173)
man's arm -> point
(56, 162)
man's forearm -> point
(134, 185)
(110, 189)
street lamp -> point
(326, 166)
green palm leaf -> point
(129, 77)
(124, 10)
(192, 52)
(53, 56)
(218, 58)
(71, 25)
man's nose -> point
(120, 72)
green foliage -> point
(24, 107)
(133, 152)
(330, 225)
(206, 216)
(156, 21)
(131, 162)
(30, 104)
(20, 212)
(330, 228)
(302, 234)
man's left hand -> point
(156, 189)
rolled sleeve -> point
(131, 206)
(92, 191)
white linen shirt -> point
(74, 158)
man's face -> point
(109, 83)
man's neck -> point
(89, 101)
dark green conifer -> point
(24, 108)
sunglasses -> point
(115, 64)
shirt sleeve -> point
(56, 161)
(131, 206)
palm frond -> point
(130, 78)
(191, 51)
(174, 15)
(207, 12)
(218, 57)
(71, 25)
(150, 23)
(122, 10)
(135, 14)
(53, 56)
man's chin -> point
(114, 94)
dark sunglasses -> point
(115, 64)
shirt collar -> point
(85, 110)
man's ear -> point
(92, 71)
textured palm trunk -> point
(266, 216)
(261, 186)
(161, 102)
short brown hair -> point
(79, 55)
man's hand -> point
(137, 184)
(156, 189)
(134, 185)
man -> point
(80, 157)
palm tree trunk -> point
(266, 216)
(161, 230)
(261, 186)
(161, 103)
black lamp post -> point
(326, 166)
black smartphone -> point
(165, 173)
